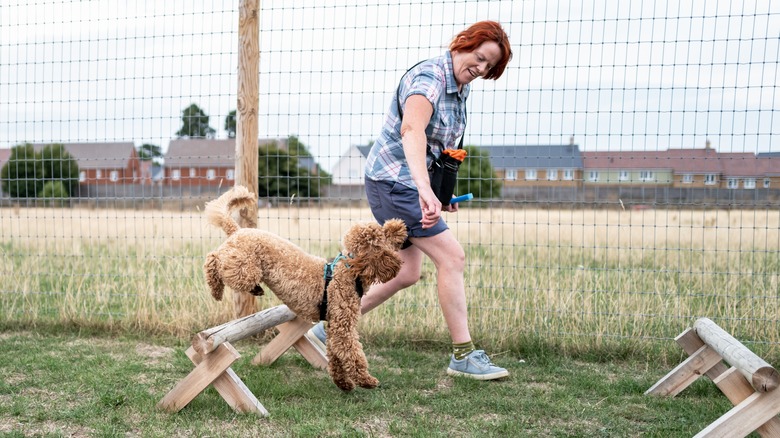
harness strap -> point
(328, 275)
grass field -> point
(574, 280)
(79, 383)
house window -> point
(231, 174)
(98, 174)
(647, 175)
(593, 176)
(568, 174)
(82, 176)
(114, 175)
(552, 174)
(530, 174)
(623, 175)
(687, 178)
(749, 183)
(193, 172)
(211, 174)
(732, 183)
(511, 175)
(176, 174)
(710, 179)
(767, 182)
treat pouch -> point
(444, 173)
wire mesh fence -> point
(634, 179)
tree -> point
(279, 175)
(195, 123)
(477, 176)
(150, 152)
(230, 124)
(299, 150)
(58, 165)
(22, 175)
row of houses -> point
(566, 166)
(211, 162)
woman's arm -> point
(417, 114)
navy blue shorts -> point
(389, 200)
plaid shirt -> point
(435, 80)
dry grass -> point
(580, 278)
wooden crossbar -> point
(753, 410)
(212, 354)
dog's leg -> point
(344, 345)
(213, 277)
(336, 370)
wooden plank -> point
(207, 340)
(757, 371)
(312, 354)
(689, 341)
(736, 388)
(232, 388)
(199, 379)
(289, 334)
(743, 419)
(686, 373)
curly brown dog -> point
(251, 257)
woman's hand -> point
(430, 206)
(450, 207)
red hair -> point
(480, 32)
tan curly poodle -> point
(251, 257)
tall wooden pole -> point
(246, 128)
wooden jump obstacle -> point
(212, 354)
(749, 383)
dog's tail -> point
(214, 280)
(218, 210)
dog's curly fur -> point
(251, 257)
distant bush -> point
(54, 193)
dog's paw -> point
(368, 382)
(345, 385)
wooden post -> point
(757, 371)
(246, 123)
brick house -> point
(627, 168)
(770, 163)
(200, 162)
(104, 163)
(536, 165)
(741, 170)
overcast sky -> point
(619, 75)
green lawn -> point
(68, 382)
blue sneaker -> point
(477, 366)
(317, 336)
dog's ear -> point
(395, 232)
(379, 266)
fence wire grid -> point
(634, 178)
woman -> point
(432, 101)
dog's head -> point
(373, 250)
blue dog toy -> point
(462, 198)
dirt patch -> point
(154, 353)
(49, 428)
(374, 427)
